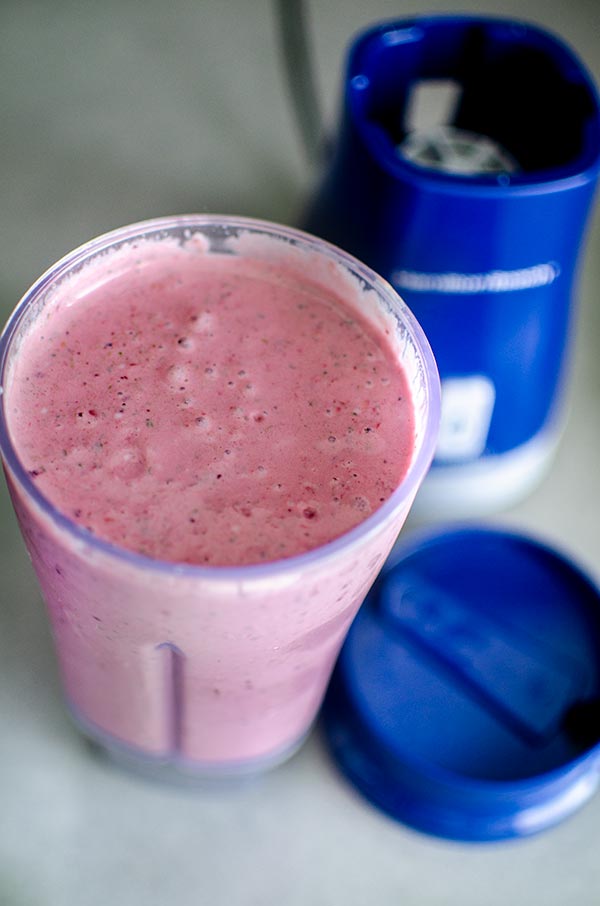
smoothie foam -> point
(209, 409)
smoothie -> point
(212, 431)
(209, 409)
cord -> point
(297, 62)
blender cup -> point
(199, 671)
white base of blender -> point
(489, 484)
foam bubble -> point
(361, 504)
(178, 376)
(128, 463)
(204, 322)
(80, 459)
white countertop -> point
(112, 113)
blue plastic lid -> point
(466, 699)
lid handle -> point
(528, 686)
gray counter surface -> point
(118, 111)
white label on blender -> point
(467, 406)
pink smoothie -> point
(209, 410)
(237, 416)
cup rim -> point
(254, 571)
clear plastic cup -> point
(209, 672)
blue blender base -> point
(476, 214)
